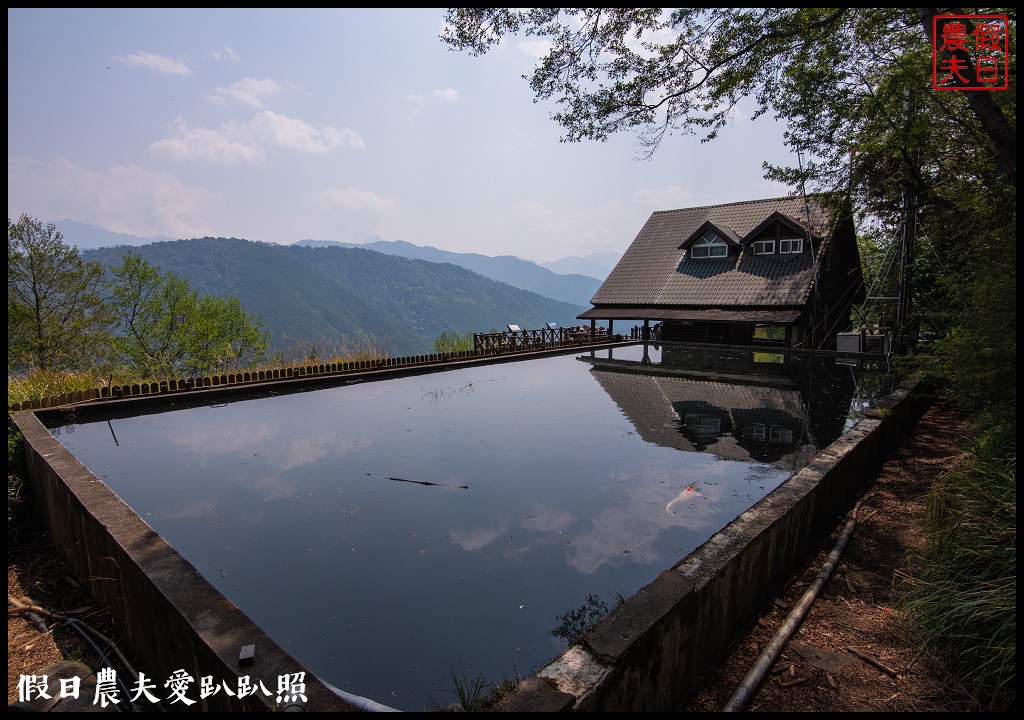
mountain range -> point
(340, 298)
(594, 266)
(393, 295)
(574, 287)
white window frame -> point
(703, 425)
(706, 248)
(791, 246)
(764, 247)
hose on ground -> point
(753, 680)
(86, 633)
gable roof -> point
(723, 231)
(650, 272)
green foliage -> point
(471, 694)
(14, 463)
(452, 341)
(168, 330)
(326, 296)
(963, 601)
(66, 315)
(55, 315)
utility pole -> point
(904, 281)
(906, 272)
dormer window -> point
(710, 245)
(764, 247)
(791, 246)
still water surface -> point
(390, 533)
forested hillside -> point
(331, 296)
(571, 288)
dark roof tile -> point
(650, 271)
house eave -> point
(788, 316)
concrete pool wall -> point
(642, 657)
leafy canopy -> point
(168, 330)
(65, 314)
(55, 315)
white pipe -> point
(364, 704)
(750, 684)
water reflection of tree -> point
(576, 622)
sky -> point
(339, 124)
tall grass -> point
(962, 598)
(39, 384)
(324, 351)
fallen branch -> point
(875, 663)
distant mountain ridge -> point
(574, 288)
(597, 265)
(332, 296)
(558, 280)
(89, 237)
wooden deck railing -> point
(520, 340)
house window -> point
(774, 334)
(706, 426)
(709, 246)
(764, 247)
(791, 246)
(780, 435)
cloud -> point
(474, 538)
(447, 95)
(665, 198)
(544, 518)
(246, 143)
(226, 54)
(350, 199)
(159, 63)
(248, 91)
(293, 134)
(229, 145)
(535, 48)
(124, 198)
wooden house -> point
(776, 272)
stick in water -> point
(420, 482)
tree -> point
(226, 336)
(56, 319)
(656, 70)
(854, 87)
(452, 341)
(165, 329)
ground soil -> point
(852, 652)
(36, 577)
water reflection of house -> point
(729, 407)
(774, 272)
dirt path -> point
(851, 652)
